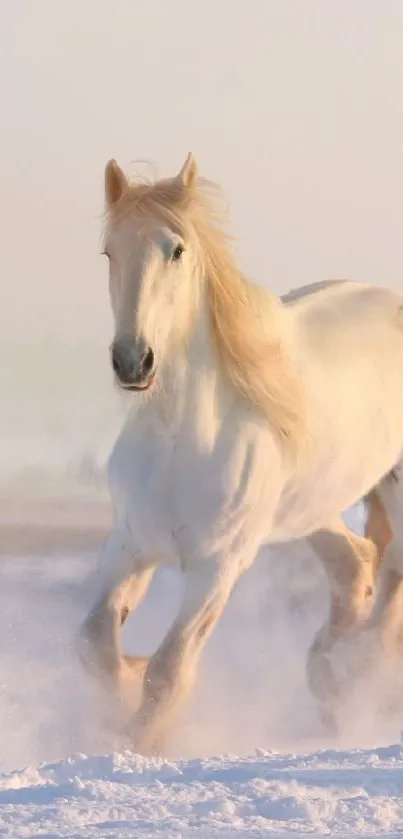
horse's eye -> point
(177, 253)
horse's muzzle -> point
(133, 370)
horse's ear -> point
(188, 174)
(115, 182)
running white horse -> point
(255, 421)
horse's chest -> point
(223, 493)
(179, 499)
(140, 478)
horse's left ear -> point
(188, 174)
(115, 183)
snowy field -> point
(248, 760)
(296, 110)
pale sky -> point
(296, 108)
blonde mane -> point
(255, 362)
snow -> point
(249, 758)
(355, 793)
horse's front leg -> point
(122, 582)
(171, 670)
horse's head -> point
(153, 261)
(170, 259)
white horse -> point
(255, 421)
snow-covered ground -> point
(250, 757)
(336, 793)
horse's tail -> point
(377, 527)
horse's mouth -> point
(137, 388)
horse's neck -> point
(192, 391)
(270, 307)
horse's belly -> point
(356, 417)
(338, 477)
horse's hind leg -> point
(379, 640)
(377, 526)
(122, 583)
(387, 617)
(351, 563)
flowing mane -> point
(245, 319)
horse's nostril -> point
(115, 361)
(128, 367)
(148, 360)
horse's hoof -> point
(329, 722)
(142, 738)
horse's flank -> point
(246, 321)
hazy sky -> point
(296, 108)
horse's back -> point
(340, 297)
(340, 315)
(347, 343)
(349, 338)
(295, 295)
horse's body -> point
(266, 418)
(217, 458)
(344, 337)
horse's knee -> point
(124, 614)
(351, 605)
(349, 562)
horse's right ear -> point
(188, 174)
(115, 183)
